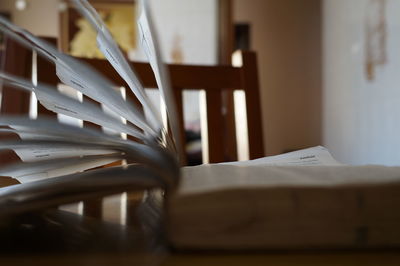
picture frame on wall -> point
(78, 38)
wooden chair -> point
(214, 80)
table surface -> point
(59, 238)
(278, 259)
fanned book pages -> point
(50, 151)
(303, 199)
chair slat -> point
(253, 106)
(17, 62)
(230, 152)
(215, 126)
(179, 107)
(46, 73)
(182, 76)
(15, 102)
(92, 208)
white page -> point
(312, 156)
(26, 134)
(93, 87)
(45, 129)
(66, 170)
(36, 150)
(111, 51)
(81, 137)
(61, 104)
(71, 188)
(38, 153)
(52, 168)
(34, 154)
(70, 71)
(149, 43)
(43, 149)
(83, 141)
(216, 177)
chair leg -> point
(93, 208)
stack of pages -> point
(303, 199)
(296, 200)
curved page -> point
(111, 51)
(81, 77)
(62, 104)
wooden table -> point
(69, 239)
(59, 238)
(275, 259)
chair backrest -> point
(215, 81)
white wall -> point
(361, 119)
(196, 24)
(40, 17)
(286, 35)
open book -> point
(300, 199)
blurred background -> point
(329, 69)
